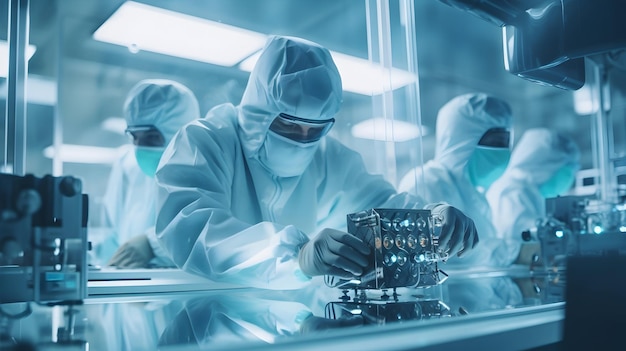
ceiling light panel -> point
(384, 129)
(143, 27)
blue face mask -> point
(487, 165)
(148, 159)
(559, 183)
(285, 157)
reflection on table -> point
(225, 318)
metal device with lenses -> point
(405, 249)
(301, 130)
(578, 226)
(383, 312)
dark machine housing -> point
(43, 239)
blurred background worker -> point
(154, 110)
(257, 194)
(543, 165)
(473, 141)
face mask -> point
(486, 165)
(285, 157)
(559, 183)
(148, 159)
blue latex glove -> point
(135, 253)
(458, 232)
(333, 252)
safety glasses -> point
(496, 137)
(301, 130)
(146, 135)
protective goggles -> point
(146, 135)
(496, 137)
(301, 130)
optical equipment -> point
(43, 239)
(546, 41)
(404, 249)
(578, 226)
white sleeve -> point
(161, 259)
(197, 228)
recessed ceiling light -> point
(365, 77)
(114, 124)
(83, 154)
(384, 129)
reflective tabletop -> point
(476, 308)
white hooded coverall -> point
(461, 123)
(131, 196)
(226, 216)
(515, 199)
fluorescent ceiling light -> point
(4, 56)
(83, 154)
(357, 75)
(143, 27)
(114, 124)
(364, 77)
(41, 90)
(248, 64)
(383, 129)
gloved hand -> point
(458, 232)
(135, 253)
(334, 252)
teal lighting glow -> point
(72, 153)
(383, 129)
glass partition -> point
(605, 176)
(30, 99)
(396, 116)
(477, 311)
(89, 54)
(4, 67)
(80, 74)
(105, 48)
(377, 91)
